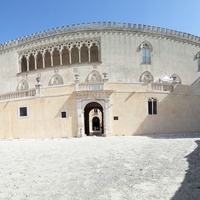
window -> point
(63, 114)
(146, 55)
(116, 117)
(146, 49)
(152, 106)
(23, 111)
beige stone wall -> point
(121, 94)
(43, 120)
(176, 114)
(120, 57)
(168, 56)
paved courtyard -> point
(101, 168)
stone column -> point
(35, 57)
(79, 55)
(51, 59)
(69, 47)
(60, 48)
(80, 119)
(106, 115)
(60, 57)
(70, 56)
(51, 54)
(43, 58)
(89, 44)
(27, 59)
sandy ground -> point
(101, 168)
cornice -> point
(92, 29)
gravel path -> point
(101, 168)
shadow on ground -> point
(174, 136)
(190, 187)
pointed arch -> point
(146, 77)
(56, 80)
(94, 76)
(23, 85)
(146, 45)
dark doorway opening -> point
(93, 119)
(95, 124)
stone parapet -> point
(102, 26)
(17, 95)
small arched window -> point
(152, 106)
(146, 48)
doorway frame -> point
(81, 104)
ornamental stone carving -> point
(94, 76)
(176, 78)
(23, 85)
(146, 77)
(56, 80)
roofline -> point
(102, 26)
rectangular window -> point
(116, 118)
(63, 114)
(23, 111)
(146, 55)
(155, 107)
(152, 106)
(143, 55)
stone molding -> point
(100, 27)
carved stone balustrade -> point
(18, 95)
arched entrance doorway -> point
(93, 119)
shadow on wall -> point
(190, 187)
(175, 113)
(69, 107)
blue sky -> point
(22, 17)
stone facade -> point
(100, 78)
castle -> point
(100, 78)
